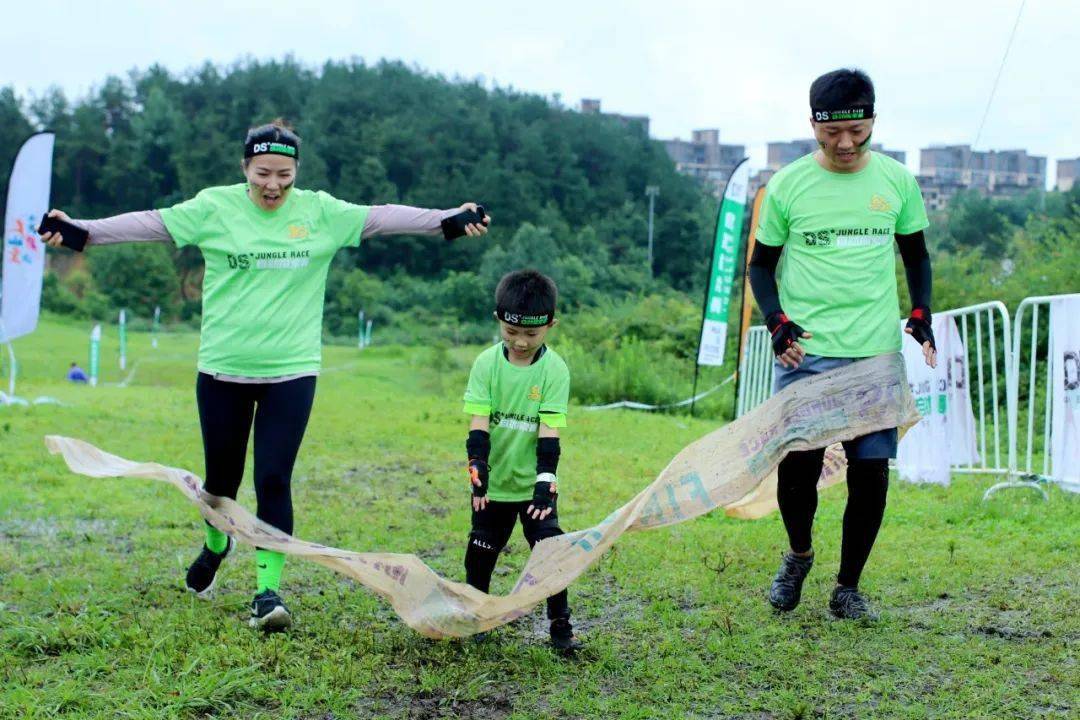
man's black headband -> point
(521, 320)
(272, 147)
(852, 112)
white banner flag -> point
(1065, 376)
(946, 434)
(24, 253)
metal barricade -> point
(988, 369)
(1030, 413)
(755, 370)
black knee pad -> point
(542, 530)
(485, 541)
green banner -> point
(725, 258)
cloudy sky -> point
(743, 67)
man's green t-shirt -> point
(838, 276)
(516, 399)
(265, 275)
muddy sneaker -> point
(847, 603)
(203, 572)
(786, 587)
(562, 637)
(269, 614)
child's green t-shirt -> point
(516, 399)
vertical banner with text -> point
(724, 260)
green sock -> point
(215, 539)
(268, 566)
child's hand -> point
(544, 494)
(478, 479)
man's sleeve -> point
(556, 397)
(773, 225)
(478, 391)
(186, 221)
(344, 220)
(912, 217)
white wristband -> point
(546, 477)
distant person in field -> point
(267, 246)
(833, 216)
(517, 396)
(75, 374)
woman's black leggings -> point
(868, 485)
(280, 412)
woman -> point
(267, 247)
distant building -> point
(591, 106)
(1066, 174)
(785, 153)
(937, 193)
(991, 172)
(705, 158)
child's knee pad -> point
(542, 530)
(484, 541)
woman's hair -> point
(277, 130)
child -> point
(517, 396)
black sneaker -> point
(847, 603)
(786, 587)
(269, 614)
(562, 637)
(203, 572)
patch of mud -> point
(52, 530)
(986, 613)
(436, 704)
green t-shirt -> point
(265, 275)
(838, 276)
(516, 399)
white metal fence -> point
(1031, 396)
(988, 368)
(755, 370)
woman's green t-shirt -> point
(265, 275)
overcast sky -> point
(743, 67)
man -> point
(836, 212)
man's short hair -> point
(528, 292)
(842, 88)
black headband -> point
(272, 147)
(851, 112)
(521, 320)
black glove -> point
(478, 448)
(921, 328)
(544, 492)
(454, 226)
(478, 470)
(784, 332)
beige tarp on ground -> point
(728, 468)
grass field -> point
(980, 601)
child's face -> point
(523, 342)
